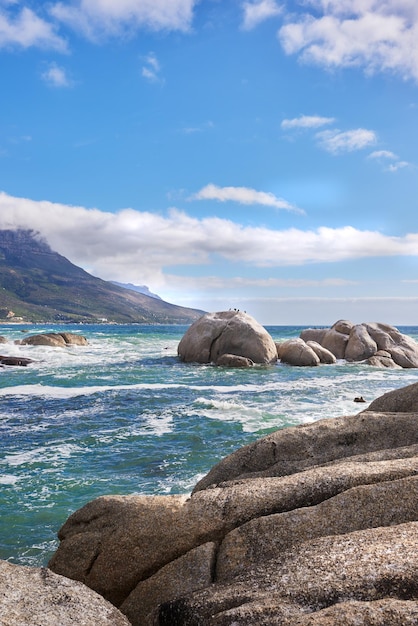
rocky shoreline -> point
(312, 525)
(235, 339)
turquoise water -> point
(124, 416)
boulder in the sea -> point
(15, 360)
(325, 356)
(36, 595)
(314, 524)
(313, 334)
(226, 332)
(335, 342)
(297, 352)
(329, 338)
(56, 340)
(360, 345)
(303, 353)
(402, 348)
(343, 326)
(365, 342)
(382, 358)
(233, 360)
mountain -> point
(39, 285)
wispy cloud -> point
(382, 154)
(374, 35)
(336, 141)
(399, 165)
(97, 19)
(56, 76)
(395, 163)
(244, 195)
(216, 283)
(151, 69)
(190, 130)
(259, 11)
(113, 245)
(307, 121)
(25, 29)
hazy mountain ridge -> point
(138, 288)
(41, 285)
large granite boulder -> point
(382, 358)
(32, 596)
(56, 340)
(360, 345)
(310, 525)
(324, 355)
(297, 352)
(378, 344)
(226, 332)
(329, 338)
(303, 353)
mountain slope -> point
(39, 284)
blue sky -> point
(260, 155)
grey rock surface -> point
(325, 356)
(380, 345)
(297, 352)
(232, 360)
(311, 525)
(310, 577)
(58, 340)
(404, 400)
(360, 345)
(226, 332)
(31, 596)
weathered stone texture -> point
(31, 596)
(227, 332)
(380, 345)
(310, 525)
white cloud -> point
(244, 195)
(56, 76)
(114, 245)
(387, 155)
(257, 12)
(96, 18)
(373, 34)
(26, 29)
(399, 165)
(336, 141)
(383, 154)
(307, 121)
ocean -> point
(123, 415)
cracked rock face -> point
(311, 525)
(227, 333)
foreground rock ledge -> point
(32, 596)
(311, 525)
